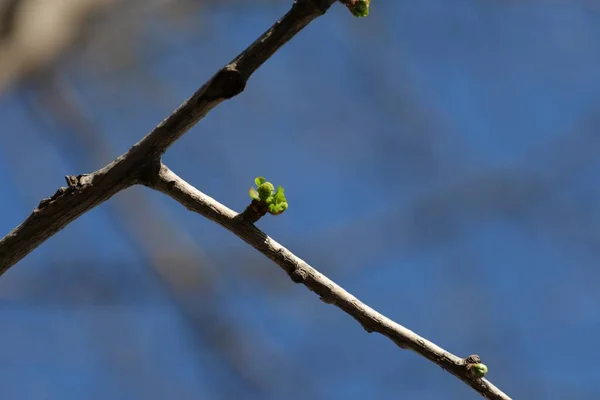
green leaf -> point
(259, 180)
(279, 195)
(277, 209)
(253, 194)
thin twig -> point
(299, 271)
(232, 79)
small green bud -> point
(265, 192)
(361, 9)
(358, 8)
(478, 370)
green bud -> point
(360, 8)
(265, 193)
(478, 370)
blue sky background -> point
(441, 163)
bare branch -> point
(299, 271)
(68, 203)
(231, 79)
(87, 191)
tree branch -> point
(84, 192)
(299, 271)
(231, 79)
(141, 164)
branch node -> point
(299, 275)
(227, 83)
(45, 202)
(399, 343)
(255, 211)
(328, 299)
(148, 173)
(74, 182)
(472, 359)
(367, 328)
(273, 202)
(475, 368)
